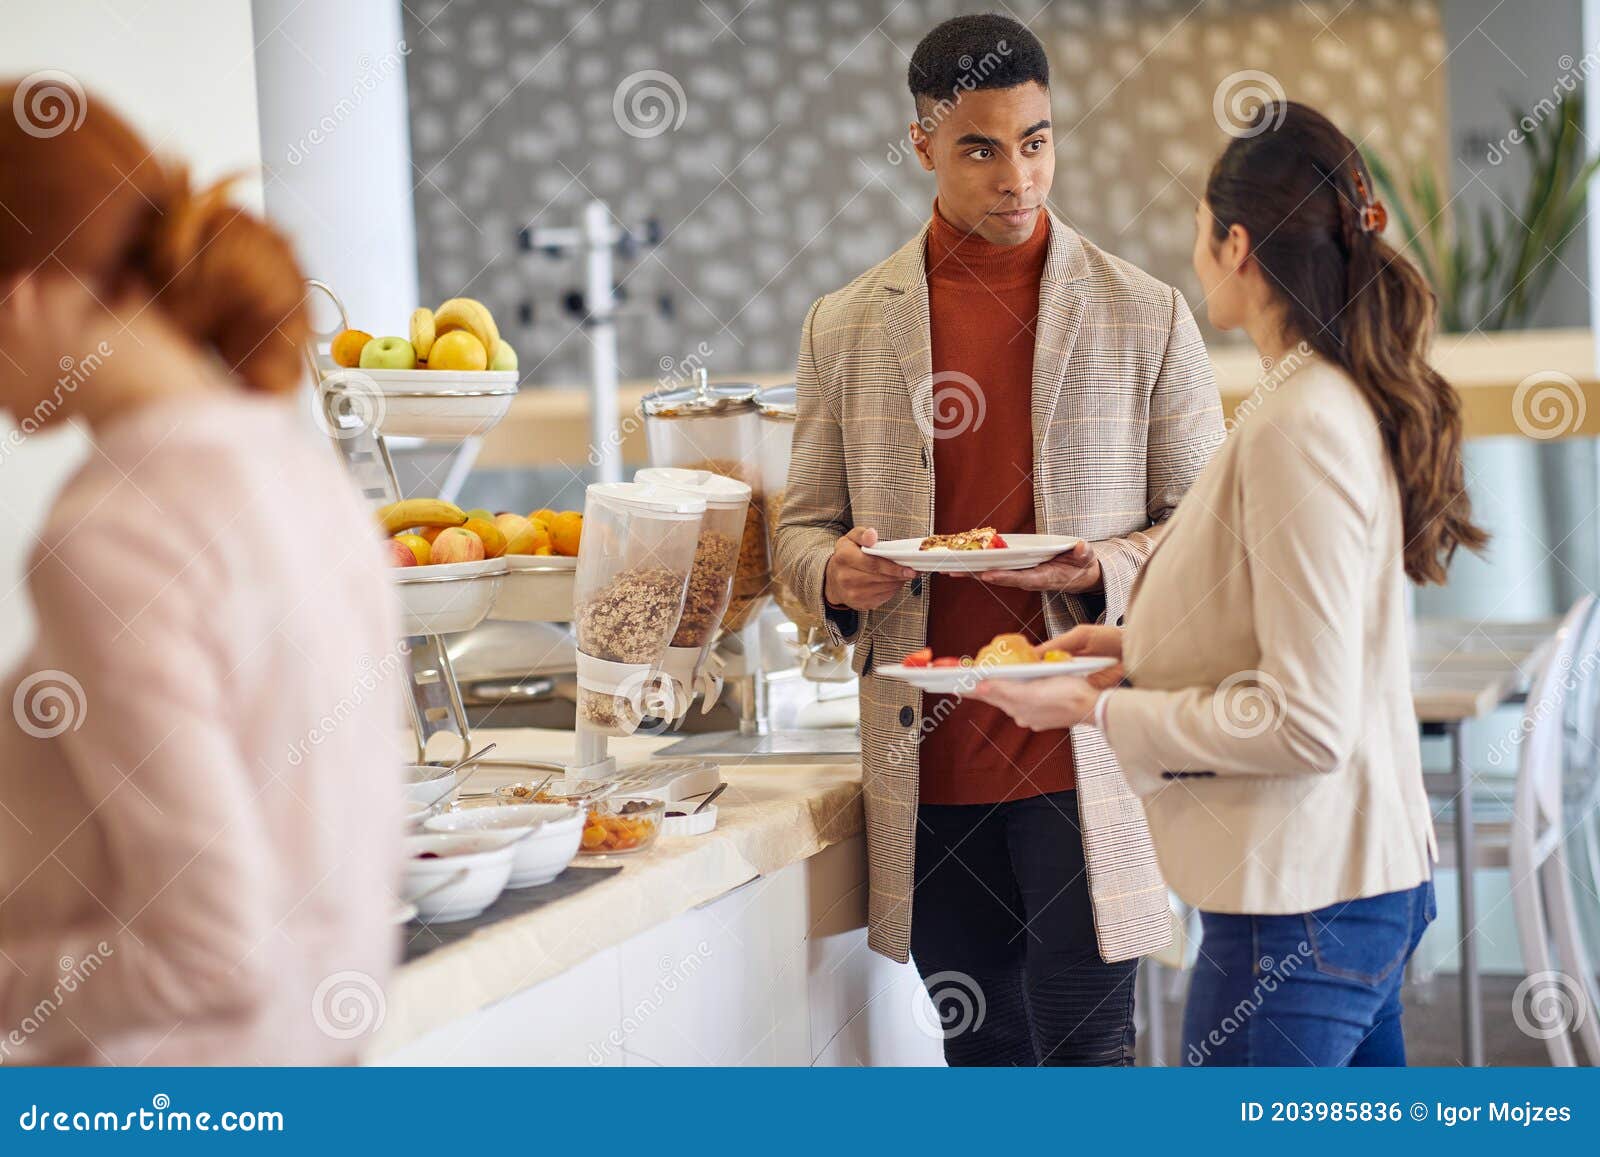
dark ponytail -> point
(1301, 190)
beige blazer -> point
(1125, 415)
(1270, 730)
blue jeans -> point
(1319, 988)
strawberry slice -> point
(920, 658)
(998, 543)
(947, 662)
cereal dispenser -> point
(711, 581)
(715, 427)
(638, 550)
(821, 661)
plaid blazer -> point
(1125, 415)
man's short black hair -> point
(971, 52)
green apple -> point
(505, 358)
(388, 353)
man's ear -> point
(920, 142)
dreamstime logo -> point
(368, 79)
(1248, 703)
(674, 974)
(649, 699)
(349, 404)
(1274, 372)
(674, 372)
(1548, 404)
(1241, 98)
(73, 974)
(348, 1004)
(973, 73)
(74, 372)
(957, 1002)
(1574, 74)
(49, 703)
(49, 103)
(958, 405)
(1548, 1004)
(649, 103)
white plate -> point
(960, 680)
(1021, 551)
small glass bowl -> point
(556, 791)
(619, 827)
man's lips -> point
(1015, 216)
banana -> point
(422, 332)
(472, 316)
(409, 512)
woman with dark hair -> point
(1267, 724)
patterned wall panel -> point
(765, 138)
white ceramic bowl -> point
(431, 403)
(542, 856)
(536, 588)
(445, 598)
(425, 783)
(482, 860)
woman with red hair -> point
(198, 817)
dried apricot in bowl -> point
(615, 827)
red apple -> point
(457, 544)
(400, 554)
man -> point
(998, 370)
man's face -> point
(993, 157)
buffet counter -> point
(1488, 369)
(744, 945)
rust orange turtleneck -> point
(983, 300)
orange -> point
(494, 542)
(566, 529)
(541, 537)
(429, 533)
(347, 347)
(419, 546)
(457, 350)
(546, 516)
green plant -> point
(1491, 278)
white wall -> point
(183, 72)
(336, 142)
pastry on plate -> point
(1006, 650)
(983, 538)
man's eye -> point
(1036, 145)
(980, 154)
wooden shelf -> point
(549, 424)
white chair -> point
(1554, 807)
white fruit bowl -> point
(425, 784)
(542, 856)
(435, 404)
(469, 874)
(536, 589)
(445, 598)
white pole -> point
(598, 297)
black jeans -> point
(1002, 932)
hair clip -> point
(1374, 218)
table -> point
(1461, 671)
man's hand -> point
(1076, 571)
(860, 581)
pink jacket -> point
(199, 818)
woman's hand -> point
(1087, 639)
(1041, 704)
